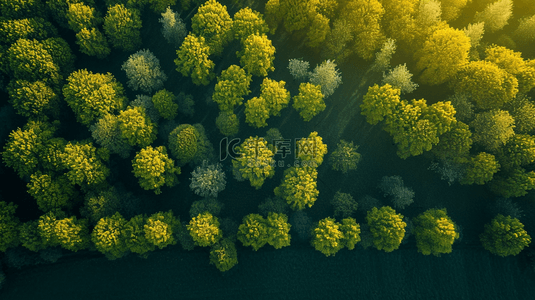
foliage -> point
(299, 187)
(337, 43)
(257, 55)
(496, 15)
(146, 103)
(454, 144)
(133, 233)
(253, 231)
(30, 28)
(345, 158)
(223, 255)
(505, 236)
(193, 60)
(383, 57)
(143, 72)
(429, 13)
(380, 102)
(164, 102)
(136, 127)
(213, 22)
(278, 230)
(32, 99)
(9, 223)
(208, 204)
(435, 232)
(443, 54)
(122, 26)
(93, 95)
(257, 112)
(399, 19)
(107, 133)
(344, 205)
(161, 229)
(227, 122)
(51, 193)
(247, 22)
(155, 169)
(85, 164)
(273, 205)
(80, 15)
(464, 108)
(518, 152)
(298, 68)
(185, 104)
(515, 183)
(183, 143)
(29, 236)
(93, 43)
(72, 234)
(394, 187)
(318, 30)
(230, 88)
(327, 76)
(522, 109)
(351, 231)
(255, 162)
(450, 170)
(208, 180)
(108, 238)
(451, 9)
(513, 63)
(100, 203)
(475, 32)
(493, 129)
(61, 54)
(525, 32)
(276, 96)
(400, 78)
(387, 227)
(506, 207)
(204, 229)
(309, 102)
(328, 237)
(310, 150)
(17, 9)
(173, 28)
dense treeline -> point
(482, 134)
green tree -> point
(164, 102)
(514, 64)
(136, 127)
(387, 228)
(257, 112)
(327, 76)
(299, 187)
(122, 26)
(505, 236)
(344, 205)
(33, 99)
(399, 19)
(496, 15)
(85, 163)
(318, 30)
(173, 28)
(107, 133)
(247, 22)
(400, 78)
(162, 228)
(9, 226)
(309, 102)
(155, 169)
(299, 68)
(183, 143)
(204, 229)
(29, 236)
(255, 162)
(29, 28)
(338, 42)
(61, 54)
(223, 255)
(514, 183)
(93, 43)
(46, 225)
(108, 238)
(51, 193)
(493, 129)
(435, 232)
(276, 96)
(193, 60)
(100, 203)
(230, 88)
(480, 169)
(213, 22)
(384, 56)
(253, 231)
(328, 237)
(278, 230)
(134, 236)
(443, 54)
(91, 96)
(72, 234)
(143, 72)
(80, 15)
(489, 86)
(380, 102)
(227, 122)
(257, 55)
(518, 152)
(454, 144)
(310, 150)
(351, 231)
(17, 9)
(345, 158)
(522, 109)
(208, 180)
(451, 9)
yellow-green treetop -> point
(276, 96)
(255, 162)
(193, 60)
(213, 22)
(435, 232)
(309, 102)
(387, 228)
(299, 187)
(155, 169)
(257, 55)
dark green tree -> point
(223, 255)
(345, 158)
(435, 232)
(505, 236)
(9, 226)
(204, 229)
(162, 228)
(107, 236)
(253, 231)
(387, 228)
(122, 26)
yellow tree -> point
(398, 20)
(213, 22)
(451, 9)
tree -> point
(310, 150)
(435, 232)
(122, 26)
(380, 102)
(133, 233)
(387, 227)
(29, 236)
(32, 99)
(173, 28)
(145, 102)
(475, 32)
(107, 133)
(514, 183)
(257, 55)
(522, 109)
(9, 226)
(327, 76)
(51, 193)
(525, 32)
(298, 68)
(299, 187)
(204, 229)
(61, 54)
(383, 57)
(93, 43)
(100, 203)
(400, 78)
(91, 96)
(443, 54)
(278, 230)
(230, 88)
(253, 231)
(213, 22)
(143, 72)
(223, 255)
(193, 60)
(155, 169)
(351, 231)
(337, 43)
(257, 112)
(276, 96)
(505, 236)
(451, 9)
(345, 158)
(255, 162)
(208, 180)
(318, 30)
(72, 234)
(29, 28)
(247, 22)
(161, 229)
(164, 102)
(344, 205)
(493, 129)
(309, 102)
(81, 16)
(136, 127)
(18, 9)
(206, 205)
(327, 237)
(514, 64)
(85, 163)
(227, 122)
(108, 238)
(398, 20)
(454, 144)
(518, 152)
(394, 187)
(496, 15)
(183, 143)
